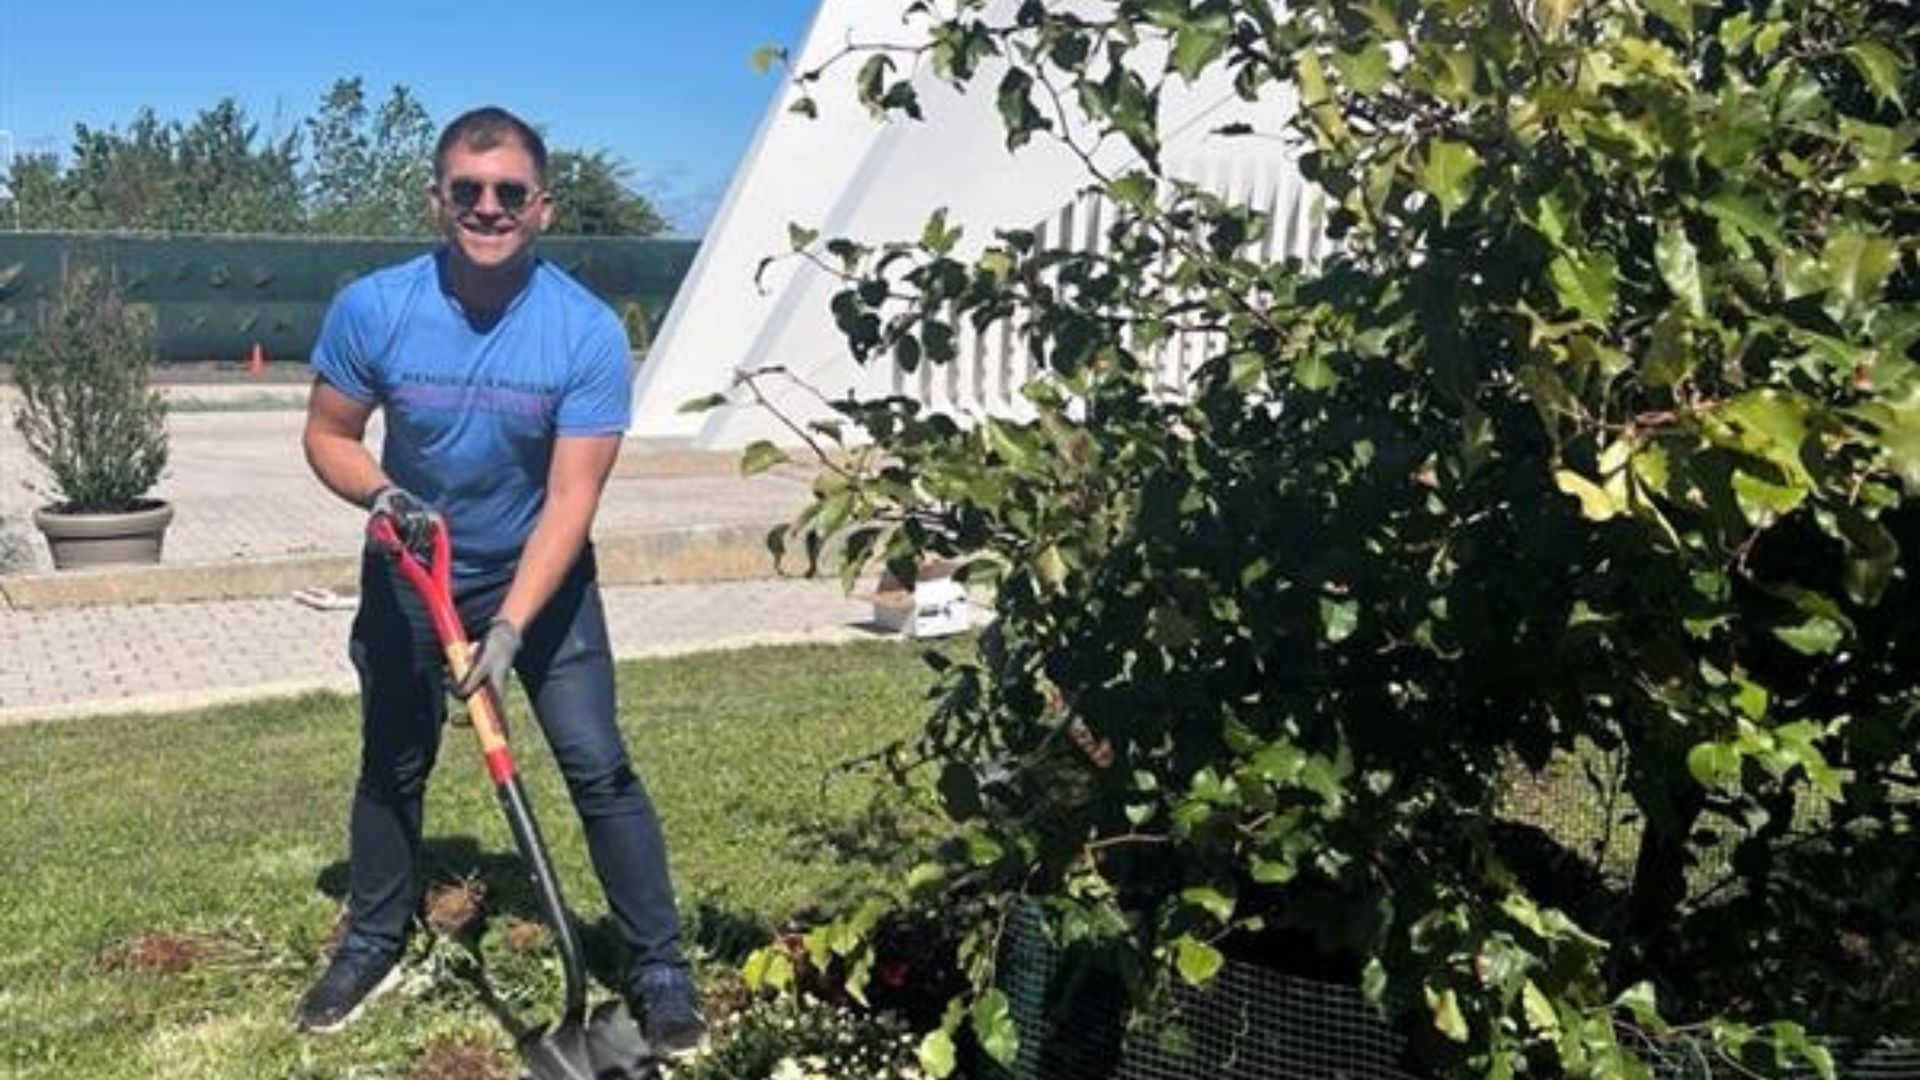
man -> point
(505, 391)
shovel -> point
(603, 1045)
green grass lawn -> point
(167, 883)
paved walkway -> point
(244, 499)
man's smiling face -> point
(490, 204)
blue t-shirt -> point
(472, 411)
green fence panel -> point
(214, 297)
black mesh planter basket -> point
(1252, 1023)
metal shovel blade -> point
(607, 1045)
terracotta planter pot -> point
(79, 541)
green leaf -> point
(1245, 370)
(1872, 556)
(935, 236)
(1448, 1020)
(1880, 67)
(1799, 273)
(799, 237)
(760, 456)
(1312, 372)
(1585, 284)
(1770, 36)
(1715, 765)
(1012, 442)
(1366, 71)
(1679, 267)
(1821, 1058)
(1817, 636)
(983, 849)
(1197, 961)
(1763, 501)
(1642, 1003)
(1669, 359)
(769, 967)
(925, 876)
(993, 1024)
(1017, 112)
(1198, 44)
(1550, 217)
(1541, 1016)
(1856, 265)
(1338, 618)
(1210, 900)
(1049, 568)
(1320, 106)
(937, 1054)
(1447, 174)
(1896, 423)
(1596, 504)
(1770, 425)
(1796, 746)
(1279, 763)
(1746, 214)
(1675, 13)
(702, 404)
(1373, 980)
(1138, 190)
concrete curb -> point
(661, 556)
(175, 701)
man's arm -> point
(575, 479)
(334, 441)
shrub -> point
(88, 411)
(1599, 427)
(801, 1038)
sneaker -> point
(664, 999)
(351, 980)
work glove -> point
(412, 519)
(492, 660)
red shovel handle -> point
(433, 580)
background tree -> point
(1592, 445)
(222, 183)
(35, 193)
(370, 167)
(365, 172)
(215, 174)
(592, 198)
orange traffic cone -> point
(257, 360)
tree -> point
(591, 197)
(368, 175)
(370, 169)
(221, 183)
(1595, 440)
(35, 192)
(120, 181)
(212, 175)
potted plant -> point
(91, 417)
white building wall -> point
(846, 174)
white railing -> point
(992, 365)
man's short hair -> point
(485, 128)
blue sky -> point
(666, 85)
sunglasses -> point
(512, 196)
